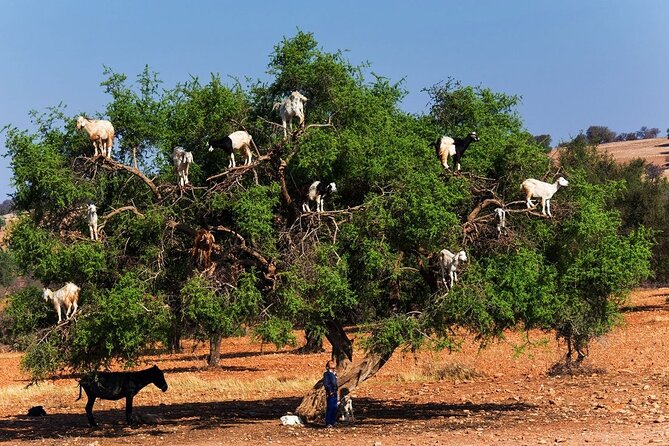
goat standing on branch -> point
(93, 221)
(453, 147)
(202, 247)
(67, 297)
(449, 262)
(182, 161)
(100, 132)
(235, 141)
(290, 107)
(500, 216)
(545, 191)
(317, 192)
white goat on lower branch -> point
(449, 262)
(68, 296)
(545, 191)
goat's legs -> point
(548, 207)
(89, 411)
(128, 409)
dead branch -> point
(107, 216)
(112, 165)
(482, 205)
(240, 169)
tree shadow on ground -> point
(221, 415)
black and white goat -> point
(235, 142)
(500, 217)
(449, 262)
(317, 192)
(453, 147)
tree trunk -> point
(214, 350)
(312, 405)
(342, 346)
(314, 342)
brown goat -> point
(204, 243)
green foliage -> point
(27, 313)
(8, 268)
(117, 325)
(276, 331)
(210, 313)
(49, 259)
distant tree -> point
(651, 133)
(631, 136)
(6, 206)
(544, 141)
(598, 134)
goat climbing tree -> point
(368, 261)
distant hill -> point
(655, 151)
(8, 219)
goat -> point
(453, 147)
(182, 161)
(100, 132)
(545, 191)
(67, 296)
(291, 420)
(345, 406)
(289, 108)
(36, 411)
(450, 262)
(117, 385)
(204, 243)
(235, 141)
(93, 221)
(500, 216)
(317, 192)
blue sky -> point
(575, 63)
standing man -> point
(331, 387)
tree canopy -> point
(369, 260)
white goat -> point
(450, 262)
(235, 141)
(68, 296)
(291, 420)
(317, 192)
(545, 191)
(100, 132)
(93, 221)
(289, 108)
(500, 215)
(182, 161)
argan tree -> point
(369, 260)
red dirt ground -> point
(512, 400)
